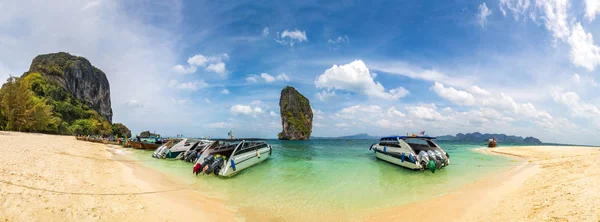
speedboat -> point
(192, 154)
(174, 148)
(413, 152)
(229, 157)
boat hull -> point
(150, 146)
(390, 157)
(244, 161)
(135, 145)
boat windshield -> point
(420, 144)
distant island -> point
(501, 138)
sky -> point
(201, 68)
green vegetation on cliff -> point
(37, 102)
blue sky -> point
(525, 67)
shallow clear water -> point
(332, 177)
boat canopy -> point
(406, 137)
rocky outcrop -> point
(296, 115)
(78, 77)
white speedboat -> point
(192, 154)
(413, 152)
(228, 157)
(175, 149)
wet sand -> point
(548, 183)
(58, 178)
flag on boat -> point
(422, 133)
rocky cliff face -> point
(296, 115)
(77, 76)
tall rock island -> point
(296, 115)
(59, 94)
(78, 77)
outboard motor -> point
(432, 156)
(440, 157)
(191, 156)
(424, 159)
(215, 166)
(199, 167)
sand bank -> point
(58, 178)
(548, 183)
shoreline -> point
(533, 190)
(61, 178)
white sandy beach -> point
(57, 178)
(35, 165)
(552, 183)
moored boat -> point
(229, 157)
(413, 152)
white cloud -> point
(591, 8)
(182, 70)
(255, 102)
(265, 31)
(218, 68)
(576, 107)
(339, 40)
(326, 95)
(584, 53)
(252, 78)
(197, 60)
(355, 77)
(456, 96)
(212, 63)
(291, 37)
(207, 100)
(246, 110)
(283, 77)
(225, 91)
(555, 17)
(517, 7)
(268, 78)
(425, 112)
(483, 13)
(273, 114)
(192, 86)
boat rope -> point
(95, 194)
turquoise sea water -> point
(329, 178)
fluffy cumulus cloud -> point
(451, 94)
(584, 52)
(214, 64)
(291, 38)
(482, 14)
(225, 91)
(246, 110)
(576, 107)
(355, 77)
(485, 100)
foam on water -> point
(332, 177)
